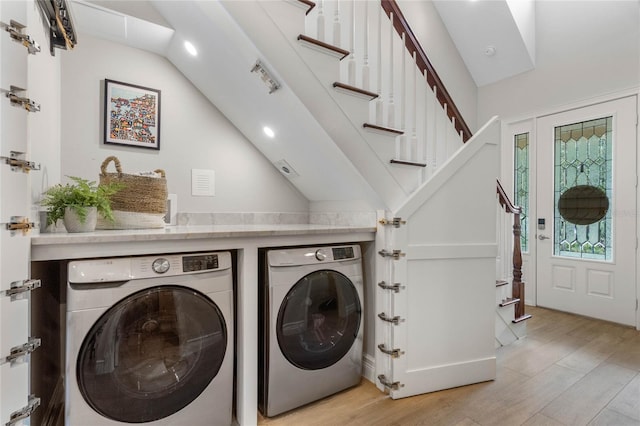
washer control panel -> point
(138, 267)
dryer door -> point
(151, 354)
(319, 320)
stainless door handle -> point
(543, 237)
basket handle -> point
(160, 171)
(105, 163)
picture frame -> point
(131, 115)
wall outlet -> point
(203, 183)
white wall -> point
(584, 49)
(44, 126)
(193, 135)
(425, 22)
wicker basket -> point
(142, 203)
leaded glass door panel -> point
(586, 211)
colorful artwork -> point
(132, 115)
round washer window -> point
(151, 354)
(319, 320)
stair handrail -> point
(517, 284)
(411, 43)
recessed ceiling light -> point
(268, 131)
(190, 48)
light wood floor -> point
(569, 370)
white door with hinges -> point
(436, 273)
(14, 207)
(586, 211)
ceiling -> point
(496, 38)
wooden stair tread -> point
(355, 90)
(509, 301)
(393, 132)
(341, 53)
(407, 163)
(522, 318)
(309, 4)
(500, 283)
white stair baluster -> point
(402, 140)
(413, 143)
(426, 143)
(391, 118)
(365, 65)
(336, 25)
(321, 23)
(379, 101)
(434, 130)
(351, 70)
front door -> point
(586, 211)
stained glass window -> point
(521, 185)
(583, 165)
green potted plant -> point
(78, 203)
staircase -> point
(388, 116)
(360, 71)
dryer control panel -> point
(200, 263)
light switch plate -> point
(203, 183)
(171, 218)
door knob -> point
(543, 237)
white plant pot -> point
(72, 221)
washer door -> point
(151, 354)
(318, 320)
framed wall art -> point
(131, 115)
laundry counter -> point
(245, 239)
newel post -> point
(517, 284)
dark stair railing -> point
(517, 286)
(411, 43)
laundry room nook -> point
(294, 207)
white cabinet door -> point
(14, 201)
(435, 330)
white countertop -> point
(62, 245)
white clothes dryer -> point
(150, 340)
(312, 325)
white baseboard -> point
(369, 368)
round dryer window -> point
(319, 320)
(151, 354)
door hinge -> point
(24, 412)
(18, 163)
(19, 289)
(395, 254)
(19, 223)
(19, 352)
(15, 32)
(388, 384)
(19, 101)
(395, 320)
(395, 222)
(394, 353)
(396, 287)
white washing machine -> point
(150, 340)
(311, 310)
